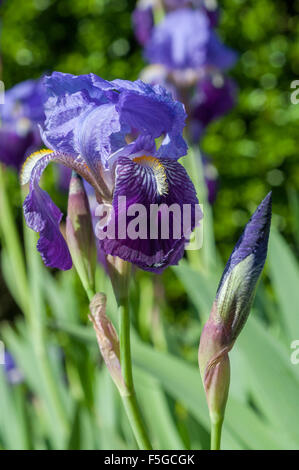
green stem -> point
(129, 400)
(12, 243)
(90, 293)
(129, 396)
(216, 427)
(204, 258)
(194, 168)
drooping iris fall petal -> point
(41, 214)
(144, 182)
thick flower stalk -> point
(230, 311)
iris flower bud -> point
(79, 233)
(107, 340)
(231, 308)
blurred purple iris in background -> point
(185, 39)
(20, 115)
(143, 15)
(189, 60)
(143, 21)
(107, 132)
(12, 372)
(214, 96)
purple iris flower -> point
(215, 96)
(107, 132)
(143, 15)
(184, 39)
(20, 115)
(210, 7)
(13, 374)
(143, 21)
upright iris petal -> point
(185, 40)
(210, 7)
(107, 132)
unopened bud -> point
(107, 340)
(231, 307)
(214, 365)
(79, 233)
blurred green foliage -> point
(254, 148)
(75, 37)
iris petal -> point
(152, 111)
(93, 134)
(62, 116)
(41, 214)
(141, 113)
(90, 117)
(220, 55)
(61, 84)
(179, 41)
(147, 181)
(71, 99)
(44, 217)
(184, 39)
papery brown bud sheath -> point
(107, 340)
